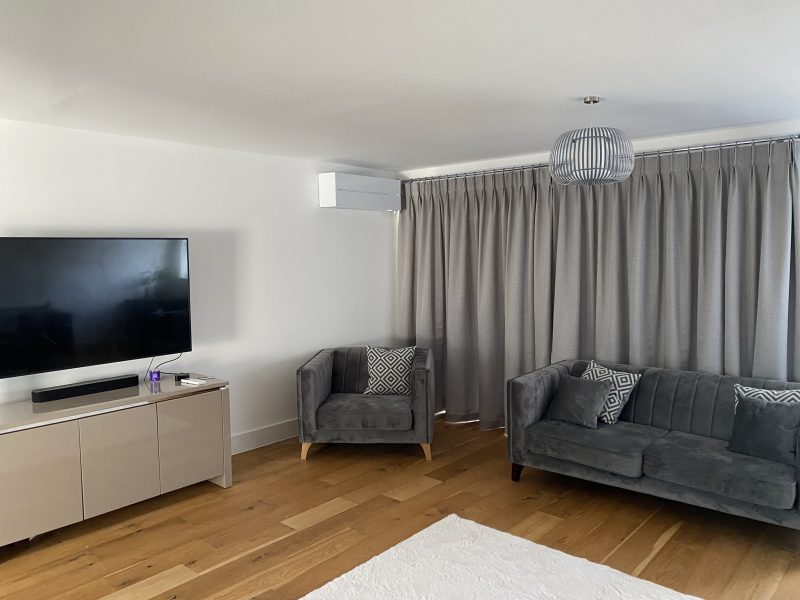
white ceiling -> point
(396, 84)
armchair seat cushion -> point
(706, 464)
(617, 448)
(357, 411)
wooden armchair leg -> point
(426, 448)
(304, 450)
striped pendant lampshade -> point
(592, 155)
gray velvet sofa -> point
(671, 441)
(332, 407)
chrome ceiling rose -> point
(591, 155)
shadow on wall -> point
(213, 265)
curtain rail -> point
(766, 140)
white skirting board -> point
(263, 436)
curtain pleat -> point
(710, 271)
(690, 264)
(794, 297)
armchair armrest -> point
(423, 397)
(313, 388)
(528, 397)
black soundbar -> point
(84, 388)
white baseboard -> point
(263, 436)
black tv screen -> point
(74, 302)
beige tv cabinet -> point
(73, 459)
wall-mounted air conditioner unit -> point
(342, 190)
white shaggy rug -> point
(456, 558)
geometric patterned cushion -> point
(623, 384)
(783, 396)
(389, 370)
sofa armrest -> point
(797, 470)
(313, 388)
(423, 396)
(528, 397)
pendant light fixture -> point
(592, 155)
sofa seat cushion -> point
(617, 448)
(706, 464)
(357, 411)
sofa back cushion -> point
(688, 401)
(350, 373)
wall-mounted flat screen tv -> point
(74, 302)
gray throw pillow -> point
(579, 401)
(766, 429)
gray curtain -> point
(689, 264)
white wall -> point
(274, 278)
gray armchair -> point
(332, 408)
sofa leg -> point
(426, 448)
(304, 450)
(516, 471)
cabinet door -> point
(190, 439)
(40, 472)
(119, 459)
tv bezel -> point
(112, 238)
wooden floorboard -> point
(286, 527)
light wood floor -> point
(287, 527)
